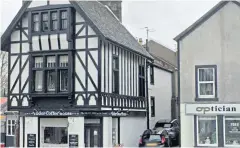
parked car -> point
(151, 138)
(172, 128)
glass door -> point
(92, 136)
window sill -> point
(206, 99)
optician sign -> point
(193, 109)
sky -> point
(164, 18)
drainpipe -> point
(147, 95)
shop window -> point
(232, 131)
(207, 131)
(56, 135)
(206, 81)
(10, 127)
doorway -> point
(93, 133)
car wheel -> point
(168, 143)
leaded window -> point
(45, 24)
(54, 21)
(35, 22)
(63, 20)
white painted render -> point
(130, 130)
(162, 91)
(107, 131)
(31, 127)
(76, 126)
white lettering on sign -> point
(52, 113)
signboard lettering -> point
(31, 140)
(215, 108)
(52, 113)
(73, 140)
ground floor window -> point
(56, 135)
(10, 127)
(232, 131)
(207, 131)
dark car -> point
(173, 129)
(153, 138)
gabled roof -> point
(102, 19)
(203, 19)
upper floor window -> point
(51, 20)
(51, 76)
(63, 20)
(115, 75)
(206, 81)
(151, 74)
(141, 81)
(35, 22)
(152, 106)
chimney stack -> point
(140, 41)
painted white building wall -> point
(130, 130)
(107, 131)
(76, 126)
(31, 124)
(162, 91)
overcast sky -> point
(166, 18)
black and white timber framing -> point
(92, 39)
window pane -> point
(51, 80)
(63, 80)
(54, 25)
(13, 129)
(63, 14)
(45, 26)
(55, 135)
(9, 130)
(45, 21)
(51, 61)
(35, 17)
(45, 16)
(206, 74)
(63, 61)
(38, 62)
(38, 75)
(206, 89)
(54, 21)
(115, 63)
(207, 130)
(36, 26)
(232, 131)
(115, 82)
(64, 24)
(54, 15)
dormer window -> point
(49, 21)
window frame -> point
(152, 74)
(39, 21)
(224, 130)
(141, 79)
(62, 19)
(152, 98)
(114, 71)
(197, 131)
(11, 127)
(56, 69)
(197, 84)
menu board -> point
(31, 140)
(232, 132)
(73, 140)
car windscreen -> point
(167, 125)
(154, 138)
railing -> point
(121, 101)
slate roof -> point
(109, 26)
(203, 19)
(102, 19)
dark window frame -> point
(57, 69)
(198, 98)
(115, 75)
(50, 25)
(53, 20)
(141, 80)
(63, 19)
(33, 21)
(152, 74)
(152, 106)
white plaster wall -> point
(31, 127)
(130, 130)
(187, 128)
(21, 132)
(76, 126)
(216, 42)
(107, 131)
(162, 91)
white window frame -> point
(11, 126)
(224, 131)
(206, 82)
(214, 145)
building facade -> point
(162, 83)
(209, 78)
(77, 77)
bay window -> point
(51, 75)
(232, 131)
(206, 81)
(207, 131)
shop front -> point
(212, 125)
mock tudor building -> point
(77, 77)
(209, 78)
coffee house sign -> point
(194, 109)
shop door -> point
(92, 135)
